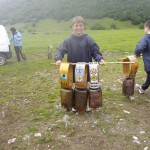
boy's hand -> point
(58, 62)
(102, 62)
(137, 55)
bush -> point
(31, 31)
(113, 26)
(33, 24)
(98, 26)
(141, 26)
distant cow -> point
(50, 47)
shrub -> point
(98, 26)
(33, 24)
(113, 26)
(141, 26)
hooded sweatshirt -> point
(16, 38)
(143, 48)
(79, 49)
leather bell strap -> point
(81, 75)
(66, 75)
(129, 70)
(134, 68)
(94, 75)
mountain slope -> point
(32, 10)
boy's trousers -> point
(147, 82)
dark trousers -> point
(147, 82)
(18, 52)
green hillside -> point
(137, 11)
(49, 25)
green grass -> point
(106, 22)
(30, 100)
(49, 25)
(108, 40)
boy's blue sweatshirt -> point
(144, 48)
(79, 49)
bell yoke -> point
(76, 93)
(75, 90)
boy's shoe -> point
(141, 91)
(88, 109)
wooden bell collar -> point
(94, 75)
(81, 75)
(129, 70)
(66, 75)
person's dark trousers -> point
(147, 82)
(18, 52)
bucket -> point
(66, 99)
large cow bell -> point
(66, 99)
(95, 98)
(128, 86)
(80, 102)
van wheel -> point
(3, 59)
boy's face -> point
(146, 29)
(78, 28)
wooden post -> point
(50, 47)
(101, 65)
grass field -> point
(49, 25)
(31, 117)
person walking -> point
(16, 38)
(143, 47)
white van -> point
(5, 52)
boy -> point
(143, 48)
(79, 46)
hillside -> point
(35, 10)
(50, 25)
